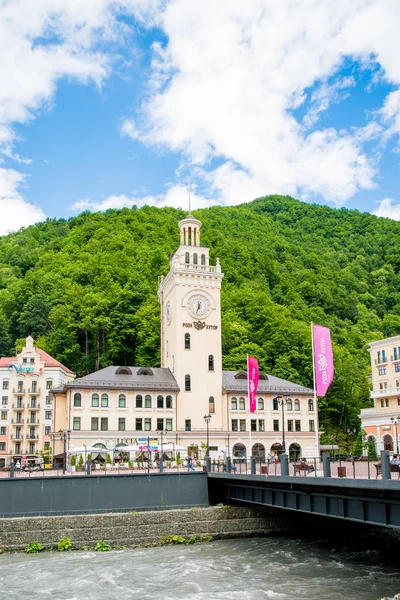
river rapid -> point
(244, 569)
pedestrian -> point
(18, 466)
(190, 463)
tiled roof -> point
(49, 361)
(5, 361)
(270, 385)
(160, 379)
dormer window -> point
(123, 371)
(144, 371)
(241, 375)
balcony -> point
(33, 406)
(34, 391)
(381, 361)
(31, 436)
(17, 421)
(385, 393)
(17, 437)
(19, 391)
(33, 423)
(18, 406)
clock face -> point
(198, 306)
(168, 312)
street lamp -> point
(207, 419)
(162, 433)
(282, 401)
(352, 432)
(396, 420)
(65, 437)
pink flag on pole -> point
(323, 359)
(252, 377)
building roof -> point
(5, 361)
(270, 385)
(49, 361)
(138, 378)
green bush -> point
(80, 462)
(178, 539)
(191, 540)
(65, 544)
(34, 547)
(206, 538)
(102, 546)
(73, 460)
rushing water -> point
(245, 569)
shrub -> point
(102, 546)
(73, 460)
(206, 538)
(191, 540)
(166, 539)
(33, 547)
(65, 544)
(80, 462)
(178, 539)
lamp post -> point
(352, 431)
(65, 437)
(207, 419)
(162, 433)
(282, 401)
(396, 420)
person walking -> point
(190, 463)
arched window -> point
(211, 404)
(187, 341)
(139, 401)
(296, 404)
(210, 362)
(289, 404)
(95, 400)
(187, 383)
(160, 401)
(310, 404)
(242, 404)
(168, 402)
(77, 399)
(147, 401)
(233, 403)
(122, 401)
(104, 400)
(275, 405)
(195, 258)
(203, 259)
(187, 258)
(261, 404)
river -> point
(244, 569)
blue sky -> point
(114, 103)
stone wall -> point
(131, 529)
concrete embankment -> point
(131, 529)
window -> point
(187, 258)
(397, 367)
(20, 386)
(160, 401)
(104, 423)
(104, 400)
(147, 424)
(2, 445)
(211, 404)
(19, 402)
(3, 430)
(168, 402)
(382, 404)
(48, 400)
(4, 400)
(297, 404)
(5, 385)
(187, 341)
(311, 426)
(234, 404)
(275, 406)
(195, 258)
(32, 361)
(168, 424)
(210, 362)
(242, 424)
(261, 425)
(276, 425)
(234, 424)
(398, 401)
(34, 386)
(260, 404)
(95, 400)
(242, 404)
(77, 399)
(121, 424)
(160, 423)
(33, 418)
(310, 404)
(188, 425)
(253, 425)
(122, 401)
(187, 383)
(203, 259)
(139, 424)
(24, 360)
(47, 415)
(139, 401)
(290, 425)
(19, 417)
(47, 430)
(297, 425)
(147, 401)
(387, 402)
(95, 424)
(33, 402)
(289, 404)
(76, 423)
(384, 356)
(382, 370)
(49, 384)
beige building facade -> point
(26, 410)
(382, 422)
(117, 406)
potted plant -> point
(81, 463)
(178, 460)
(73, 463)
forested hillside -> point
(86, 289)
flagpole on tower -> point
(316, 420)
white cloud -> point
(231, 74)
(388, 208)
(15, 212)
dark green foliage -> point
(86, 289)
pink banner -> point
(323, 359)
(252, 377)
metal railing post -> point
(284, 465)
(326, 464)
(161, 464)
(208, 464)
(228, 464)
(253, 465)
(385, 464)
(12, 467)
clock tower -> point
(191, 329)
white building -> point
(118, 405)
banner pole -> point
(316, 421)
(248, 394)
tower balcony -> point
(17, 406)
(34, 391)
(19, 391)
(33, 406)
